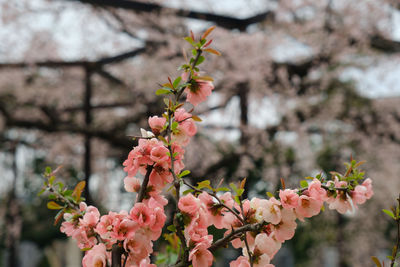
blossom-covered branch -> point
(257, 226)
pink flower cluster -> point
(277, 218)
(153, 152)
(135, 231)
(150, 152)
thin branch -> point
(116, 255)
(255, 227)
(145, 182)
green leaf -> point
(162, 138)
(303, 184)
(166, 102)
(53, 205)
(163, 92)
(48, 170)
(388, 212)
(224, 189)
(177, 81)
(187, 191)
(189, 40)
(85, 249)
(237, 200)
(183, 85)
(52, 196)
(184, 173)
(233, 186)
(174, 125)
(51, 180)
(60, 186)
(200, 60)
(240, 192)
(68, 193)
(41, 192)
(171, 228)
(184, 67)
(204, 184)
(195, 118)
(375, 259)
(269, 194)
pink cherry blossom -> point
(266, 245)
(359, 194)
(139, 247)
(141, 214)
(159, 218)
(131, 184)
(156, 124)
(159, 154)
(316, 191)
(106, 225)
(289, 198)
(262, 260)
(124, 228)
(308, 207)
(198, 91)
(160, 175)
(368, 184)
(186, 127)
(195, 231)
(286, 228)
(91, 217)
(200, 255)
(269, 210)
(189, 204)
(146, 263)
(240, 262)
(83, 238)
(96, 257)
(342, 203)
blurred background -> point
(302, 85)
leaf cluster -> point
(60, 197)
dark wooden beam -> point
(220, 20)
(80, 63)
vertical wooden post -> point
(87, 106)
(243, 92)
